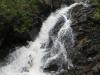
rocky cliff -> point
(87, 41)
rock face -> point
(87, 42)
(55, 4)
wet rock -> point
(80, 13)
(55, 4)
(51, 67)
(87, 41)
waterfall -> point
(49, 54)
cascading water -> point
(49, 54)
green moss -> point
(97, 14)
(97, 11)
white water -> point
(29, 60)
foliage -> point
(97, 11)
(18, 13)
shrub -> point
(18, 11)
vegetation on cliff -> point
(18, 13)
(97, 11)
